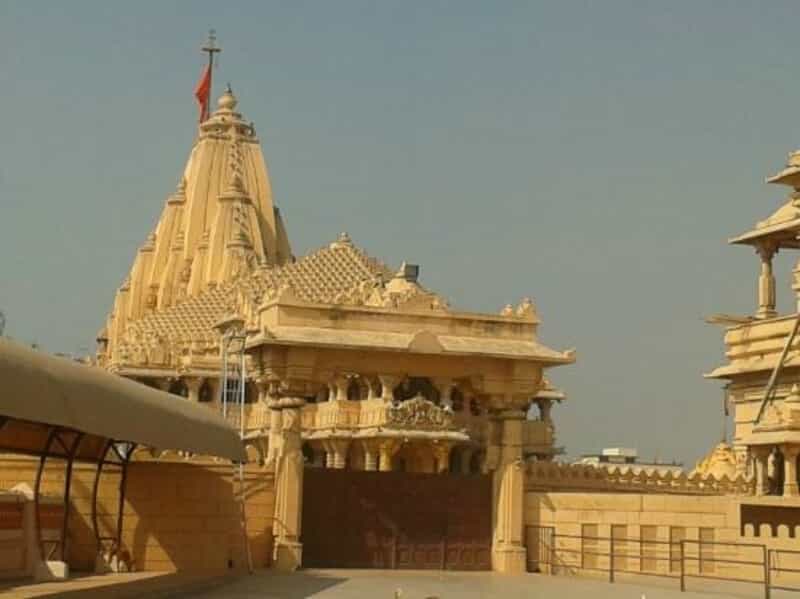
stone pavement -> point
(378, 584)
(371, 584)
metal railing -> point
(775, 572)
(550, 552)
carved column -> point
(766, 281)
(761, 456)
(508, 550)
(340, 383)
(790, 453)
(370, 455)
(275, 426)
(338, 452)
(441, 452)
(445, 388)
(388, 447)
(388, 383)
(545, 407)
(289, 488)
(372, 387)
(193, 384)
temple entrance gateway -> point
(397, 520)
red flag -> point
(202, 92)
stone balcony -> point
(371, 416)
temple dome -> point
(719, 462)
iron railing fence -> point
(773, 569)
(786, 577)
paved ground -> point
(372, 584)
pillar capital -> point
(388, 383)
(766, 249)
(193, 385)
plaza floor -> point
(375, 584)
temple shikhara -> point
(383, 426)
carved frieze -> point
(419, 414)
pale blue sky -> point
(594, 155)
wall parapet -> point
(555, 476)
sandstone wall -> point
(647, 529)
(178, 514)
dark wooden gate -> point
(358, 519)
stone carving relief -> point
(419, 414)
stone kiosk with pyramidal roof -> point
(363, 386)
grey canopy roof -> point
(40, 388)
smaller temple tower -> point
(763, 369)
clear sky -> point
(593, 155)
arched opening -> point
(250, 392)
(475, 407)
(775, 472)
(413, 386)
(308, 454)
(457, 398)
(353, 390)
(475, 462)
(456, 458)
(178, 387)
(206, 393)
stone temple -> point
(383, 373)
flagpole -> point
(211, 48)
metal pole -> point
(611, 557)
(683, 572)
(767, 584)
(95, 489)
(67, 484)
(123, 483)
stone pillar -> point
(275, 427)
(441, 452)
(445, 388)
(508, 549)
(761, 455)
(388, 383)
(545, 407)
(766, 281)
(370, 456)
(340, 384)
(387, 449)
(193, 384)
(790, 453)
(289, 488)
(339, 452)
(372, 387)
